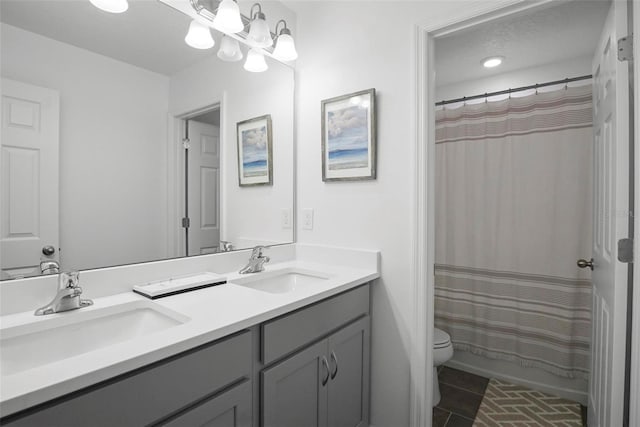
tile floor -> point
(462, 393)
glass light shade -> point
(259, 34)
(228, 17)
(285, 48)
(112, 6)
(255, 61)
(229, 49)
(199, 36)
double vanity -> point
(285, 346)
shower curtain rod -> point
(518, 89)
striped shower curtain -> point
(513, 214)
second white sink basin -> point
(72, 333)
(281, 281)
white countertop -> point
(213, 313)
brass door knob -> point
(583, 263)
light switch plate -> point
(307, 219)
(286, 218)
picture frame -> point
(255, 151)
(349, 137)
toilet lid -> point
(440, 338)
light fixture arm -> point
(284, 30)
(259, 13)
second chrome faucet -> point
(256, 261)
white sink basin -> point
(60, 336)
(281, 281)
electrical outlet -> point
(286, 218)
(307, 219)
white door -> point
(28, 178)
(204, 188)
(611, 218)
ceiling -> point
(149, 35)
(553, 34)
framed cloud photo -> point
(349, 137)
(255, 160)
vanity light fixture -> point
(229, 49)
(492, 61)
(285, 49)
(199, 36)
(111, 6)
(228, 18)
(259, 34)
(255, 61)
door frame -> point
(175, 169)
(634, 395)
(423, 205)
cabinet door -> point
(229, 409)
(348, 397)
(293, 394)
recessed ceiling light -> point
(493, 61)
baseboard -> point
(534, 378)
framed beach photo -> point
(255, 165)
(349, 137)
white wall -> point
(250, 215)
(573, 67)
(344, 47)
(112, 155)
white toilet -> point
(442, 351)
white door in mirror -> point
(29, 197)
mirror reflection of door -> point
(203, 199)
(28, 179)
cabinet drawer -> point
(148, 394)
(286, 334)
(231, 408)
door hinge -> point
(625, 250)
(186, 222)
(186, 143)
(625, 49)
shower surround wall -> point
(513, 213)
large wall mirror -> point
(114, 131)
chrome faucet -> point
(49, 267)
(68, 296)
(225, 246)
(256, 261)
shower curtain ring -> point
(536, 88)
(486, 97)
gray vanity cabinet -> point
(324, 385)
(205, 383)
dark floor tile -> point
(458, 401)
(440, 417)
(458, 421)
(464, 380)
